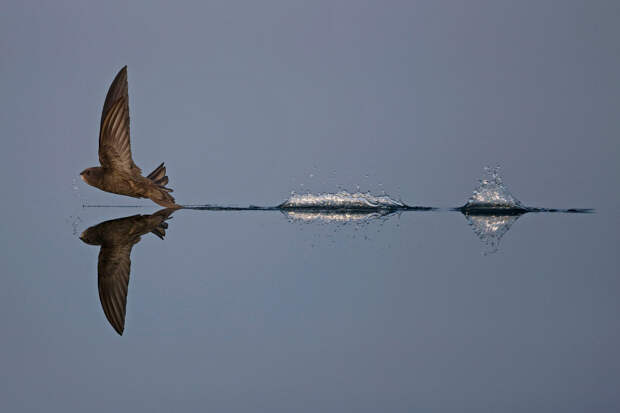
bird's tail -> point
(159, 177)
(160, 194)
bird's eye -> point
(87, 172)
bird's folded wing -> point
(114, 143)
(114, 136)
(118, 90)
(113, 279)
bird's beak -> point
(82, 176)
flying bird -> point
(117, 237)
(118, 173)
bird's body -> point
(118, 173)
(130, 184)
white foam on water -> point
(341, 200)
(492, 192)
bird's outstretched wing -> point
(113, 279)
(114, 141)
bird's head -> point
(91, 236)
(92, 176)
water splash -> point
(491, 228)
(491, 192)
(77, 193)
(75, 221)
(341, 200)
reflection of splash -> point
(491, 228)
(335, 216)
(491, 193)
(341, 200)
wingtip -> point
(118, 328)
(122, 72)
(117, 325)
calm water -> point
(381, 310)
(262, 311)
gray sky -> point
(234, 95)
(244, 101)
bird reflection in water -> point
(116, 238)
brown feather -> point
(113, 281)
(114, 140)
